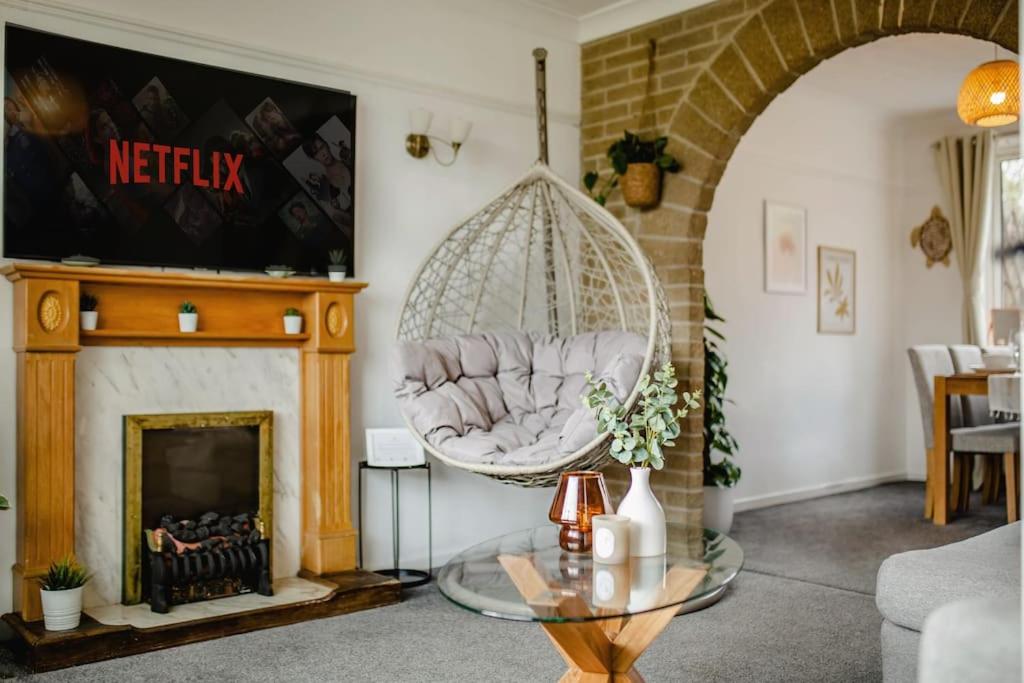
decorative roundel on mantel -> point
(51, 312)
(934, 237)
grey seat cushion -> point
(510, 398)
(996, 438)
(977, 640)
(913, 584)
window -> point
(1004, 281)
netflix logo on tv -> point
(139, 159)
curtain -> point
(966, 170)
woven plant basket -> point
(641, 185)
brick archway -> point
(712, 72)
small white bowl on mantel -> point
(292, 321)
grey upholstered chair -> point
(928, 361)
(976, 413)
(966, 357)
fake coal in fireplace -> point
(198, 507)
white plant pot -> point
(293, 324)
(188, 322)
(62, 610)
(718, 507)
(646, 518)
(336, 275)
(87, 319)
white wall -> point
(811, 412)
(454, 57)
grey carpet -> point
(784, 619)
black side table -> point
(409, 578)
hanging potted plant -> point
(720, 475)
(638, 440)
(336, 269)
(87, 314)
(637, 166)
(292, 321)
(188, 317)
(61, 594)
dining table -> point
(1003, 389)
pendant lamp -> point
(990, 95)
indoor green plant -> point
(636, 166)
(292, 321)
(4, 503)
(87, 314)
(61, 594)
(638, 439)
(720, 475)
(188, 317)
(336, 269)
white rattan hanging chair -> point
(541, 257)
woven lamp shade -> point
(990, 95)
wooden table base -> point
(599, 650)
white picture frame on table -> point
(785, 248)
(393, 447)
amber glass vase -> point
(579, 497)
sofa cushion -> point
(977, 640)
(913, 584)
(510, 398)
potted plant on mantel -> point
(292, 321)
(638, 440)
(721, 475)
(188, 317)
(336, 269)
(637, 166)
(61, 594)
(87, 314)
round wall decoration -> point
(934, 238)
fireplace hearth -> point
(198, 507)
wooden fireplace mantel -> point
(139, 308)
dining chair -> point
(967, 357)
(928, 361)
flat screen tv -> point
(137, 159)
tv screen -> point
(137, 159)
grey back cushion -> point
(975, 408)
(927, 361)
(510, 398)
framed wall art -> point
(837, 291)
(785, 249)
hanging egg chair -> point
(507, 315)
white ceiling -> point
(904, 74)
(577, 9)
(598, 18)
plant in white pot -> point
(88, 316)
(292, 321)
(639, 440)
(721, 474)
(188, 317)
(336, 269)
(61, 594)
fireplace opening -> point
(198, 507)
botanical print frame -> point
(785, 248)
(837, 290)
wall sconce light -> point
(417, 143)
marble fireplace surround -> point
(68, 401)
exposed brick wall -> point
(713, 71)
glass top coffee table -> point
(600, 617)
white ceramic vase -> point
(646, 518)
(188, 322)
(62, 610)
(88, 319)
(718, 507)
(292, 324)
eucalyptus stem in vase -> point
(639, 439)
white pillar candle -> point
(611, 538)
(611, 585)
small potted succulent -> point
(87, 313)
(188, 317)
(61, 594)
(637, 166)
(336, 269)
(4, 503)
(638, 439)
(292, 321)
